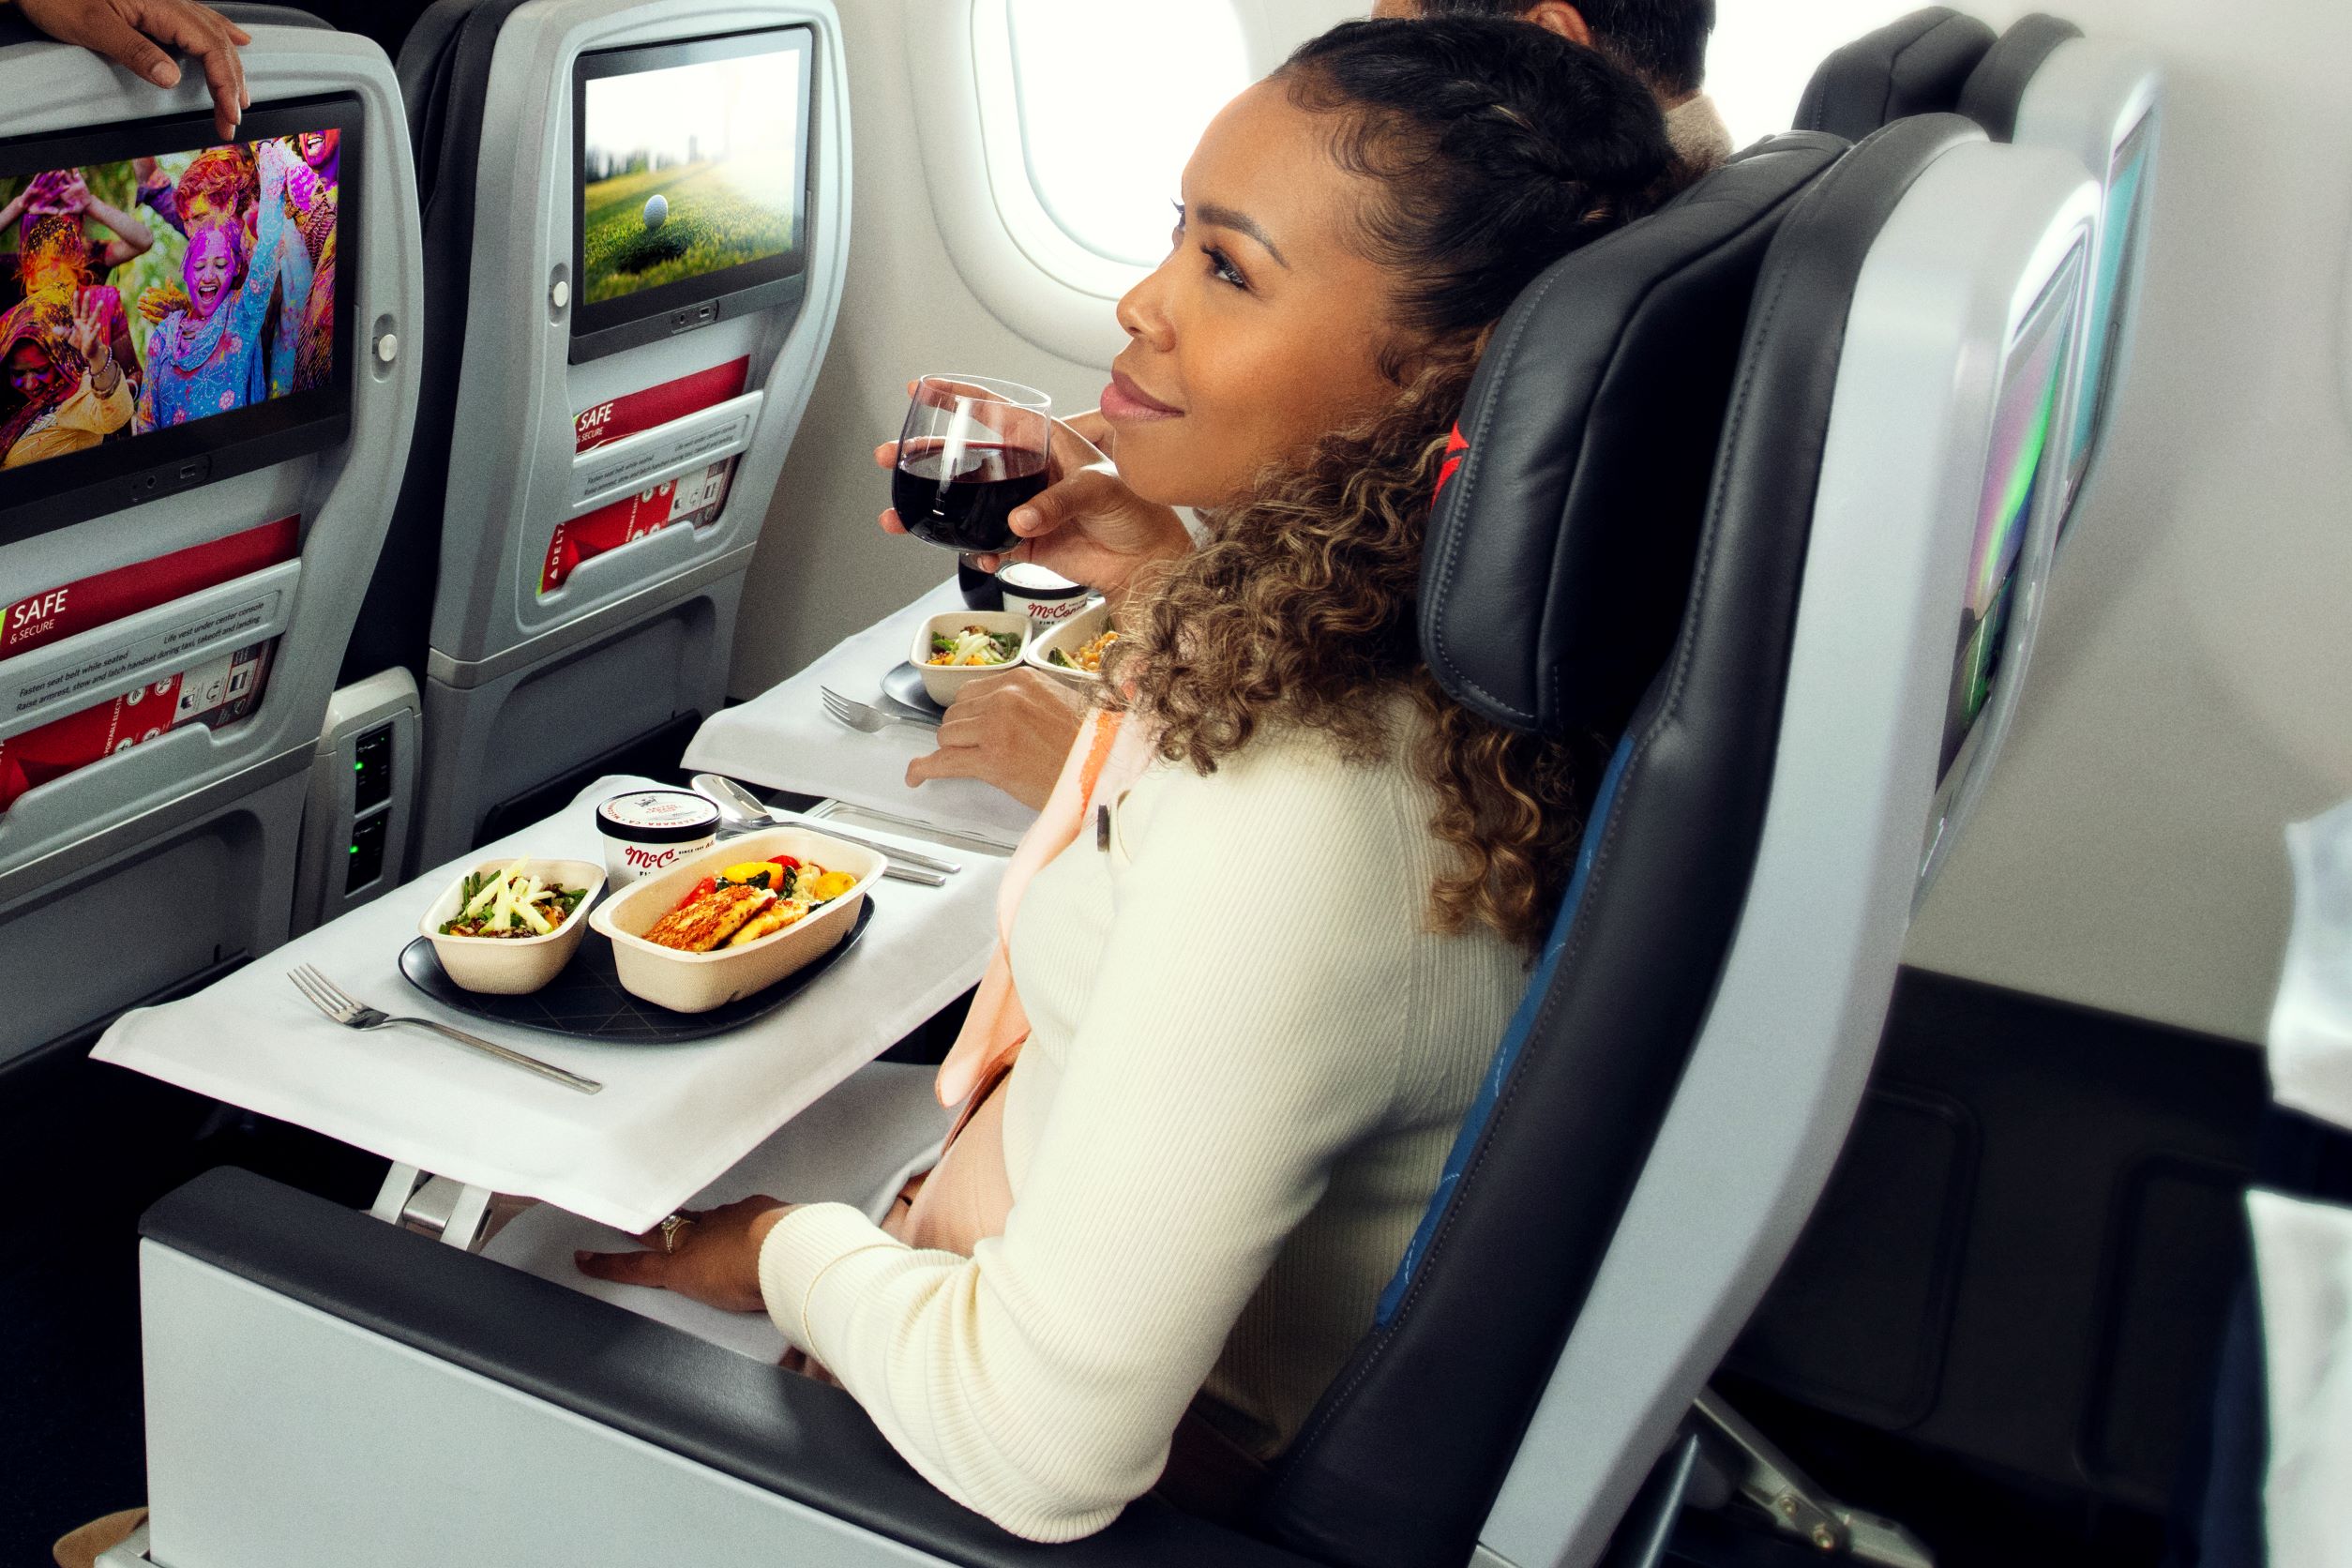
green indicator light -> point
(354, 849)
(360, 767)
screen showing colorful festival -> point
(160, 291)
(688, 171)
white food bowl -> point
(1068, 637)
(697, 982)
(513, 966)
(944, 681)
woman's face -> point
(211, 261)
(318, 147)
(1264, 329)
(32, 375)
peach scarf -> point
(965, 1197)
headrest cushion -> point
(1560, 549)
(1998, 85)
(1915, 65)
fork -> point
(864, 717)
(340, 1006)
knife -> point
(734, 800)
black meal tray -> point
(585, 1001)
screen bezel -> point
(2135, 147)
(2051, 311)
(116, 475)
(648, 316)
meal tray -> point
(586, 1003)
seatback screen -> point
(163, 295)
(2119, 246)
(2025, 413)
(693, 165)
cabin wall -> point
(2191, 692)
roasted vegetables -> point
(748, 901)
(1089, 658)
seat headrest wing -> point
(1915, 65)
(1998, 85)
(1560, 550)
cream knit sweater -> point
(1248, 1060)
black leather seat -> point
(1558, 597)
(1917, 65)
(1998, 85)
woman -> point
(56, 264)
(207, 355)
(61, 388)
(1260, 995)
(53, 253)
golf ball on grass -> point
(656, 211)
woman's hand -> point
(133, 33)
(1013, 730)
(302, 185)
(716, 1261)
(89, 334)
(1087, 525)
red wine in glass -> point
(961, 498)
(972, 450)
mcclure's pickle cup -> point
(651, 830)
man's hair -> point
(1662, 41)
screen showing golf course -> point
(690, 170)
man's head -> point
(1663, 42)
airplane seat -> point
(1666, 1106)
(2046, 85)
(387, 22)
(535, 589)
(183, 592)
(1916, 64)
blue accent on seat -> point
(1514, 1039)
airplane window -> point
(1764, 51)
(1102, 137)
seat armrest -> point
(774, 1429)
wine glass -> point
(972, 450)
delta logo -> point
(1455, 450)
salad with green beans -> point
(511, 903)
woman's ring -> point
(669, 1228)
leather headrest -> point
(1998, 85)
(1560, 552)
(1915, 65)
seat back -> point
(1916, 64)
(543, 647)
(1558, 562)
(2103, 104)
(1902, 355)
(174, 627)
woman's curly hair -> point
(1495, 149)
